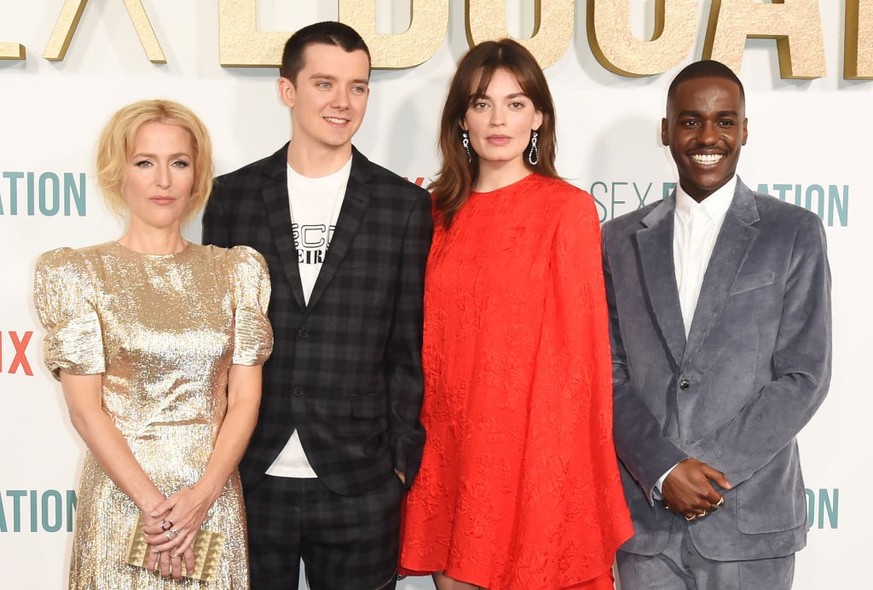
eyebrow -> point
(508, 96)
(317, 76)
(700, 114)
(155, 156)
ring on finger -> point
(171, 534)
(166, 525)
(691, 517)
(720, 502)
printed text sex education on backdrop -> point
(796, 27)
(830, 201)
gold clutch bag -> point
(208, 547)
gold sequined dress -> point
(163, 331)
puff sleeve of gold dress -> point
(163, 330)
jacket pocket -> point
(753, 281)
(773, 499)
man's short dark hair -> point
(323, 33)
(707, 68)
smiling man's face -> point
(705, 128)
(328, 98)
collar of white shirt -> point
(715, 206)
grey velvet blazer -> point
(755, 367)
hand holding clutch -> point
(208, 547)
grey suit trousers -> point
(681, 567)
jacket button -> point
(298, 391)
(684, 384)
(303, 333)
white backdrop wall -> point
(806, 142)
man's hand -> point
(688, 489)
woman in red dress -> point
(519, 486)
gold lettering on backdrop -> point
(144, 31)
(68, 20)
(553, 26)
(240, 43)
(12, 51)
(859, 40)
(617, 50)
(427, 29)
(795, 24)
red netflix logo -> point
(19, 341)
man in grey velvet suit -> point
(720, 314)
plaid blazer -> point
(346, 368)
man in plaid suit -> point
(338, 436)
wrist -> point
(148, 503)
(208, 488)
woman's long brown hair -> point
(455, 179)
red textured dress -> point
(519, 486)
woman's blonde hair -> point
(116, 143)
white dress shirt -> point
(695, 229)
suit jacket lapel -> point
(278, 214)
(736, 236)
(351, 214)
(655, 248)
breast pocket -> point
(753, 281)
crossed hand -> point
(171, 529)
(689, 491)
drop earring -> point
(465, 141)
(533, 156)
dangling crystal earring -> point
(465, 139)
(533, 156)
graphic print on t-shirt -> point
(315, 205)
(312, 242)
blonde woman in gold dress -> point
(158, 344)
